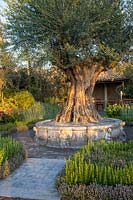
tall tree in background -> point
(82, 38)
(6, 62)
(6, 58)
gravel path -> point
(37, 151)
(129, 132)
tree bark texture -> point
(79, 107)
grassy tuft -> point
(11, 155)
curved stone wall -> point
(71, 135)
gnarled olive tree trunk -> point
(79, 106)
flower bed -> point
(99, 171)
(12, 154)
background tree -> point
(45, 84)
(6, 64)
(84, 38)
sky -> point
(2, 3)
(2, 6)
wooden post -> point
(105, 96)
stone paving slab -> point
(35, 179)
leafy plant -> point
(35, 112)
(101, 163)
(20, 100)
(11, 155)
(99, 171)
(1, 156)
(9, 148)
(51, 110)
(129, 90)
(113, 110)
(38, 111)
(24, 99)
(6, 127)
(124, 111)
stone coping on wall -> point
(105, 122)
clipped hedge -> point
(12, 154)
(99, 171)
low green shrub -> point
(99, 171)
(38, 111)
(21, 100)
(9, 147)
(6, 127)
(113, 110)
(34, 113)
(24, 99)
(51, 100)
(123, 112)
(22, 123)
(14, 127)
(9, 117)
(51, 110)
(11, 155)
(129, 90)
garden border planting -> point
(12, 155)
(97, 171)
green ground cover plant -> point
(123, 112)
(6, 127)
(12, 154)
(99, 171)
(38, 111)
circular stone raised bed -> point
(71, 135)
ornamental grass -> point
(12, 154)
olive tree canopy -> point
(81, 37)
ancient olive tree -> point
(81, 37)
